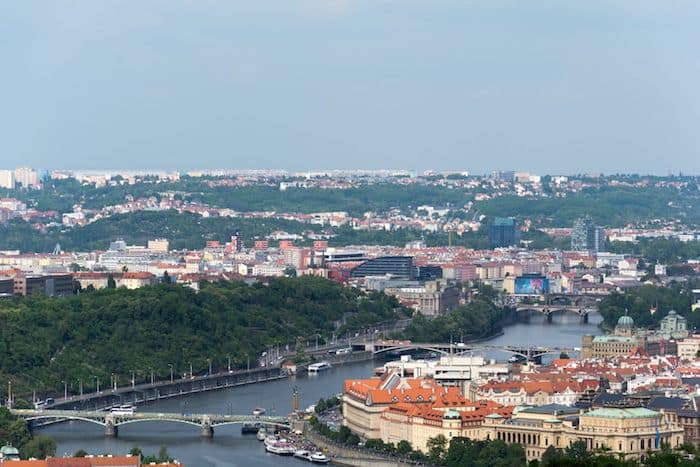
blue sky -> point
(546, 86)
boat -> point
(316, 367)
(258, 411)
(125, 409)
(250, 428)
(261, 434)
(314, 457)
(281, 447)
(319, 458)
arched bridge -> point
(529, 353)
(567, 303)
(112, 421)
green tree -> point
(111, 284)
(39, 447)
(80, 453)
(437, 448)
(404, 447)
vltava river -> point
(228, 448)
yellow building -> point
(628, 432)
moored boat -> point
(317, 367)
(280, 447)
(258, 411)
(319, 458)
(261, 434)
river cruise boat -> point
(281, 447)
(125, 409)
(318, 367)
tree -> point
(436, 448)
(577, 450)
(551, 457)
(136, 451)
(166, 278)
(111, 284)
(564, 356)
(290, 271)
(404, 447)
(39, 447)
(80, 453)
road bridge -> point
(534, 353)
(112, 421)
(547, 304)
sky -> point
(546, 86)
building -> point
(398, 267)
(431, 298)
(52, 285)
(26, 177)
(6, 286)
(625, 432)
(674, 326)
(622, 342)
(7, 179)
(159, 244)
(689, 347)
(503, 232)
(585, 236)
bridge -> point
(547, 304)
(112, 421)
(534, 353)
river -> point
(229, 448)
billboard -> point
(531, 285)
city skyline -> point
(593, 87)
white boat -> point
(125, 409)
(316, 367)
(258, 411)
(302, 454)
(280, 447)
(319, 458)
(261, 434)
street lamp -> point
(80, 384)
(191, 374)
(152, 376)
(229, 363)
(97, 383)
(114, 382)
(209, 361)
(171, 372)
(133, 379)
(65, 390)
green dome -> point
(625, 322)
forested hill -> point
(48, 340)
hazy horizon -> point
(312, 85)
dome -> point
(672, 312)
(625, 322)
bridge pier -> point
(549, 317)
(111, 428)
(207, 428)
(584, 318)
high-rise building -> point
(503, 232)
(586, 236)
(26, 177)
(7, 179)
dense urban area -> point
(120, 285)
